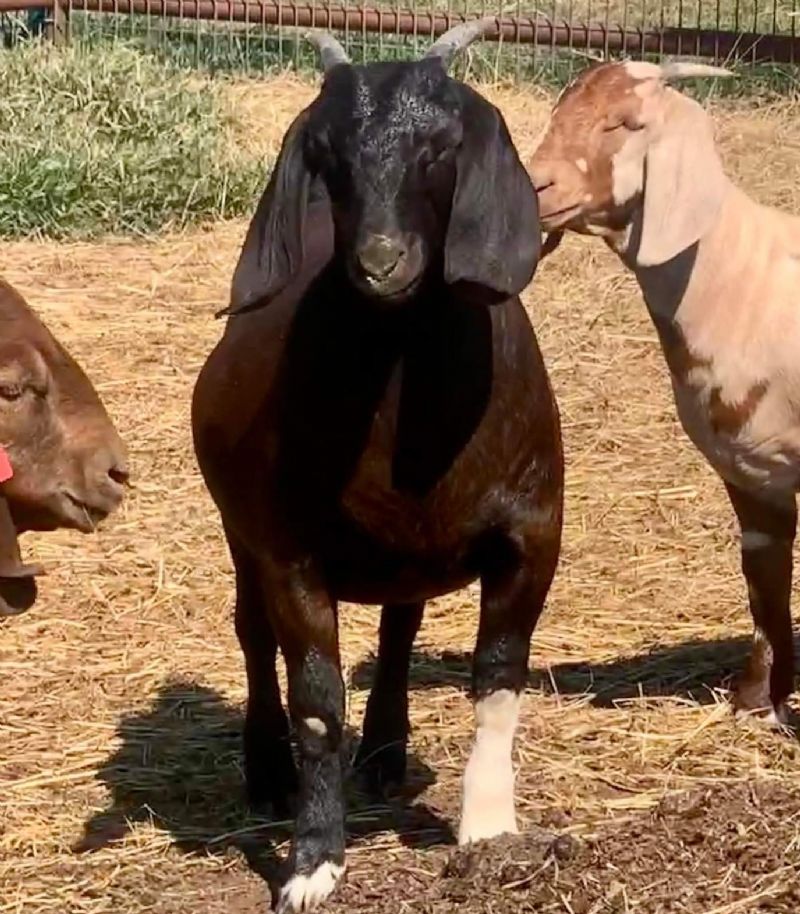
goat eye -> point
(11, 391)
(431, 160)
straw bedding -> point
(121, 692)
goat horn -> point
(670, 71)
(331, 53)
(459, 37)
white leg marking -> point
(761, 642)
(755, 539)
(316, 726)
(304, 893)
(488, 802)
(768, 718)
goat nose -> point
(380, 256)
(111, 463)
(120, 473)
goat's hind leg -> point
(768, 532)
(381, 758)
(513, 590)
(270, 771)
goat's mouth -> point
(80, 514)
(391, 290)
(394, 293)
(558, 218)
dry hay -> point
(121, 692)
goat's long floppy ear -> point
(273, 247)
(493, 239)
(684, 183)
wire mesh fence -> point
(547, 40)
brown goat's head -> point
(68, 465)
(620, 144)
(420, 177)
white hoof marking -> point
(488, 802)
(769, 718)
(304, 893)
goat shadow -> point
(691, 669)
(180, 766)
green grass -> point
(96, 141)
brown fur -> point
(68, 461)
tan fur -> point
(720, 274)
(679, 209)
(740, 320)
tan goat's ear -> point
(684, 183)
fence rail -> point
(658, 32)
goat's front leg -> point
(768, 532)
(304, 619)
(381, 757)
(513, 591)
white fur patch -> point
(627, 174)
(304, 893)
(488, 801)
(761, 642)
(316, 726)
(755, 539)
(582, 165)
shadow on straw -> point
(692, 669)
(180, 768)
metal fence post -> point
(57, 23)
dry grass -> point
(121, 692)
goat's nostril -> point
(380, 257)
(120, 475)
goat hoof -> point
(770, 718)
(752, 702)
(306, 891)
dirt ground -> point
(121, 692)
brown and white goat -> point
(630, 159)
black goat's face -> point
(383, 139)
(415, 173)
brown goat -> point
(62, 460)
(376, 425)
(630, 159)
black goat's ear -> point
(494, 237)
(273, 248)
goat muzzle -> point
(380, 257)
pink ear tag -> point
(6, 472)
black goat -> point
(380, 428)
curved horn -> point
(331, 53)
(459, 37)
(678, 70)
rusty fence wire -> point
(260, 36)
